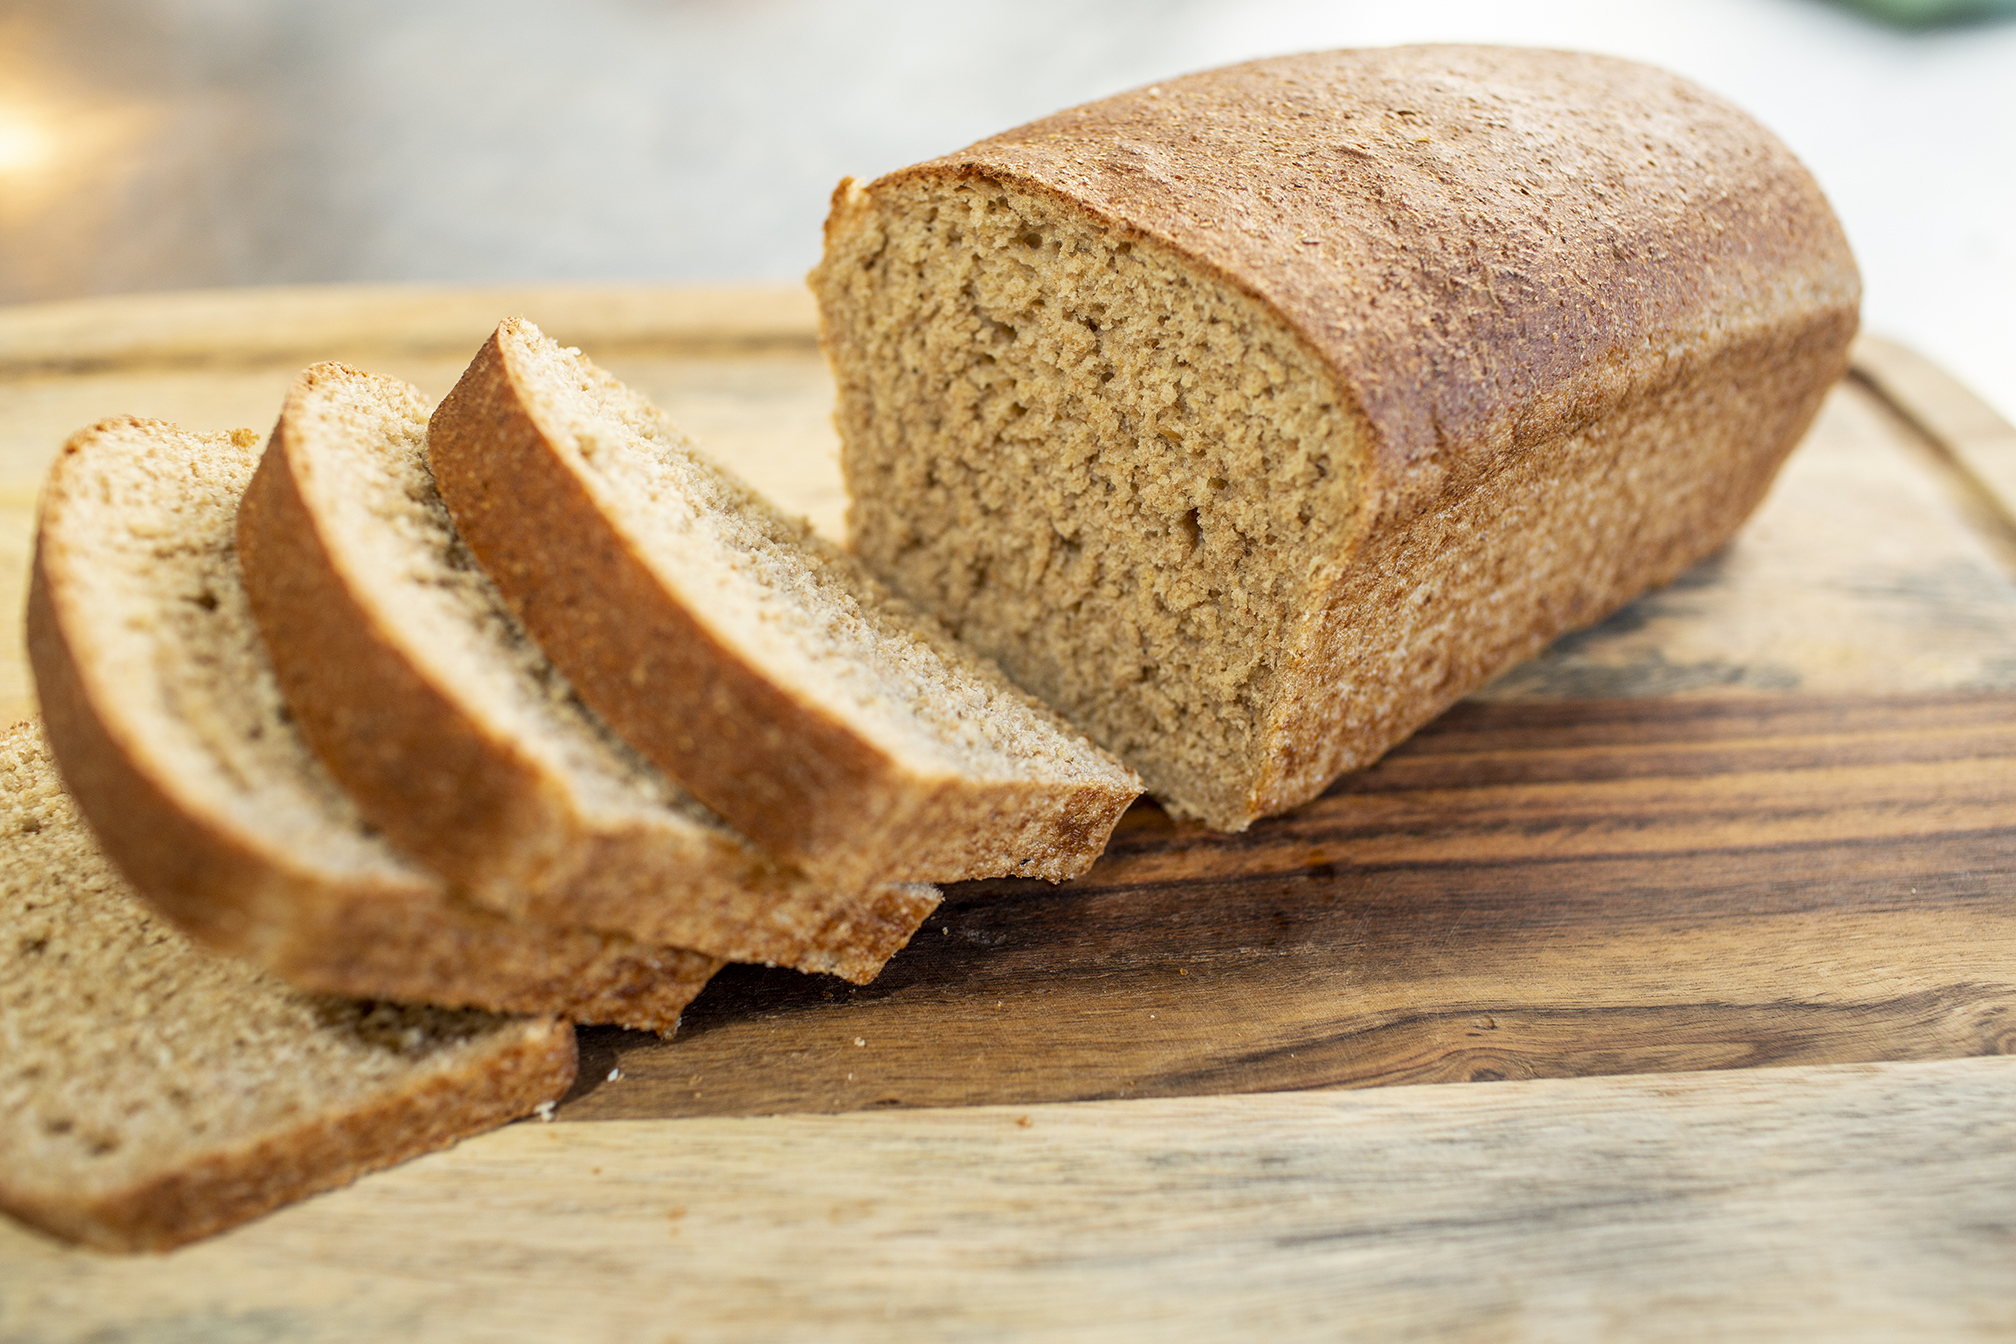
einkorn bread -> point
(1252, 418)
(460, 739)
(152, 1092)
(163, 713)
(763, 668)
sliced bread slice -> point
(458, 737)
(164, 714)
(152, 1092)
(759, 665)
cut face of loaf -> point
(819, 714)
(456, 735)
(152, 1093)
(164, 714)
(1254, 418)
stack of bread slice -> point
(556, 737)
(463, 743)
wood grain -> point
(1956, 425)
(294, 326)
(1848, 1204)
(1522, 890)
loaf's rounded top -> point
(1485, 243)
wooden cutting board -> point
(1765, 817)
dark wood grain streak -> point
(1523, 890)
(1522, 1042)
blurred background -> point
(172, 144)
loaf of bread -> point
(461, 741)
(758, 665)
(1252, 418)
(165, 717)
(152, 1093)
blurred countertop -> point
(173, 144)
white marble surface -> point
(149, 144)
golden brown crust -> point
(791, 775)
(635, 654)
(366, 710)
(323, 1151)
(213, 888)
(401, 937)
(464, 795)
(1463, 593)
(1492, 247)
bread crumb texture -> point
(794, 604)
(462, 740)
(248, 840)
(363, 472)
(128, 1055)
(145, 555)
(1112, 475)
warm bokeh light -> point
(24, 144)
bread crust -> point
(1498, 255)
(786, 772)
(261, 1172)
(409, 939)
(371, 716)
(464, 796)
(1356, 194)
